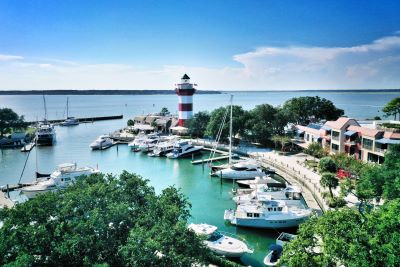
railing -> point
(336, 138)
(349, 142)
(380, 150)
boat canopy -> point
(202, 229)
(275, 247)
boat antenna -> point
(230, 135)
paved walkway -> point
(5, 201)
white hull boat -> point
(65, 175)
(184, 149)
(45, 134)
(241, 171)
(102, 142)
(221, 243)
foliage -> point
(302, 110)
(130, 122)
(336, 202)
(164, 111)
(351, 164)
(240, 116)
(107, 220)
(391, 125)
(329, 180)
(198, 124)
(265, 121)
(316, 150)
(9, 120)
(327, 164)
(377, 118)
(345, 237)
(283, 140)
(392, 108)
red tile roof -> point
(391, 135)
(339, 123)
(364, 131)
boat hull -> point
(45, 140)
(269, 224)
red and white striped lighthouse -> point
(185, 91)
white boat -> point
(45, 134)
(149, 144)
(140, 138)
(70, 121)
(102, 142)
(64, 175)
(221, 243)
(267, 214)
(275, 251)
(164, 147)
(183, 149)
(241, 170)
(264, 180)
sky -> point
(221, 44)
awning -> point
(388, 141)
(350, 133)
(326, 128)
(300, 131)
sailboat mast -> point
(230, 135)
(67, 107)
(45, 108)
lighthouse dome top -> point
(185, 77)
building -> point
(185, 91)
(363, 140)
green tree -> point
(164, 111)
(102, 219)
(330, 181)
(302, 110)
(283, 140)
(327, 164)
(240, 116)
(392, 108)
(130, 122)
(315, 149)
(9, 120)
(198, 124)
(345, 237)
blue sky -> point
(231, 45)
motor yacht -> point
(223, 244)
(275, 250)
(267, 214)
(102, 142)
(148, 144)
(184, 149)
(241, 170)
(45, 134)
(264, 180)
(164, 147)
(64, 175)
(140, 138)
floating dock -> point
(200, 161)
(86, 120)
(28, 147)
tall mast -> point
(67, 106)
(230, 135)
(45, 108)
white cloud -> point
(372, 65)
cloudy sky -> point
(222, 45)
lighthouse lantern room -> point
(185, 91)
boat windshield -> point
(238, 168)
(215, 236)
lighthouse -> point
(185, 91)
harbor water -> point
(208, 196)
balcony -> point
(380, 150)
(350, 142)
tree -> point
(315, 149)
(392, 108)
(329, 180)
(130, 122)
(302, 110)
(239, 115)
(9, 120)
(164, 111)
(283, 140)
(198, 124)
(327, 164)
(102, 220)
(346, 238)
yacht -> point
(149, 144)
(241, 170)
(64, 175)
(140, 138)
(164, 147)
(183, 149)
(272, 258)
(45, 134)
(220, 243)
(102, 142)
(70, 121)
(264, 180)
(271, 214)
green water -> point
(209, 196)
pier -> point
(200, 161)
(87, 119)
(28, 147)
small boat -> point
(276, 249)
(183, 149)
(45, 134)
(64, 175)
(140, 138)
(102, 142)
(223, 244)
(164, 147)
(241, 170)
(70, 121)
(148, 144)
(270, 214)
(273, 256)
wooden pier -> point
(28, 147)
(200, 161)
(86, 120)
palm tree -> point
(329, 180)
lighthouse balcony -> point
(185, 91)
(185, 86)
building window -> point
(249, 214)
(335, 148)
(256, 215)
(335, 135)
(367, 143)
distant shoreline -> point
(171, 92)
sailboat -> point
(240, 170)
(45, 134)
(70, 121)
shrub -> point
(327, 164)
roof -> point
(339, 123)
(314, 126)
(308, 130)
(391, 135)
(364, 130)
(185, 77)
(161, 121)
(350, 133)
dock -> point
(28, 147)
(85, 120)
(200, 161)
(5, 202)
